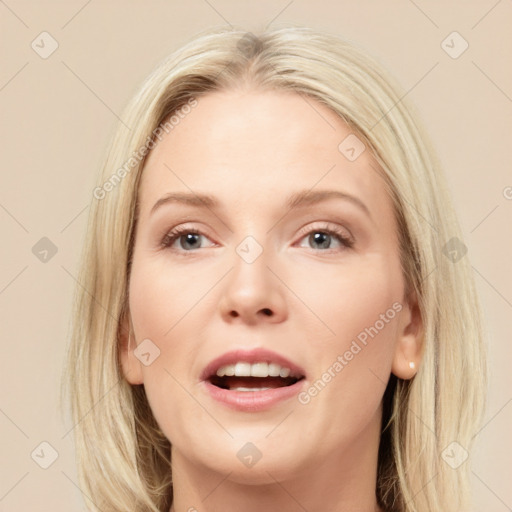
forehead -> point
(250, 147)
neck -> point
(343, 482)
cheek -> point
(165, 304)
(156, 296)
(350, 374)
(162, 294)
(362, 308)
(353, 299)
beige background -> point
(58, 113)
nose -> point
(253, 294)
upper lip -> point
(259, 355)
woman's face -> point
(269, 324)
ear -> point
(408, 348)
(130, 365)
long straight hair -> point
(123, 457)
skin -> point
(251, 150)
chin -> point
(263, 472)
(258, 462)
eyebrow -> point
(297, 200)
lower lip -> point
(253, 401)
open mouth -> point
(247, 377)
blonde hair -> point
(123, 457)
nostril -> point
(265, 311)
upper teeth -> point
(253, 370)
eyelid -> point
(342, 234)
(169, 236)
(345, 236)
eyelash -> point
(344, 239)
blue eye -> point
(322, 239)
(188, 239)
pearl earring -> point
(412, 365)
